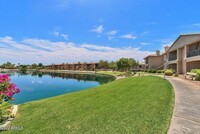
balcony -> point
(193, 53)
(173, 55)
(171, 58)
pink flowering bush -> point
(7, 90)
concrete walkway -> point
(186, 116)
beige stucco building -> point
(182, 56)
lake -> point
(35, 86)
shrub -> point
(159, 71)
(128, 74)
(169, 72)
(23, 70)
(7, 90)
(149, 70)
(197, 71)
(175, 75)
(153, 71)
(197, 77)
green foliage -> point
(113, 65)
(103, 64)
(159, 71)
(40, 65)
(197, 77)
(132, 62)
(168, 72)
(175, 75)
(4, 111)
(197, 71)
(126, 63)
(34, 66)
(7, 90)
(151, 71)
(128, 74)
(123, 64)
(23, 69)
(113, 73)
(8, 65)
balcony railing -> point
(193, 53)
(171, 58)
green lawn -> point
(113, 73)
(131, 105)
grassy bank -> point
(113, 73)
(131, 105)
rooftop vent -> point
(158, 52)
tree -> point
(103, 64)
(126, 63)
(113, 65)
(8, 65)
(40, 65)
(132, 62)
(123, 63)
(34, 66)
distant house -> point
(154, 61)
(182, 56)
(74, 66)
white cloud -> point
(62, 4)
(65, 36)
(145, 33)
(112, 33)
(193, 25)
(98, 48)
(98, 29)
(129, 36)
(35, 50)
(56, 33)
(145, 43)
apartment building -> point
(154, 61)
(182, 56)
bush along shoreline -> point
(7, 90)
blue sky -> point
(57, 31)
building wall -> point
(183, 45)
(193, 65)
(80, 67)
(184, 40)
(155, 62)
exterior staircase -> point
(161, 67)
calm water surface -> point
(35, 86)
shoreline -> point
(67, 71)
(80, 72)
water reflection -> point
(102, 79)
(38, 85)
